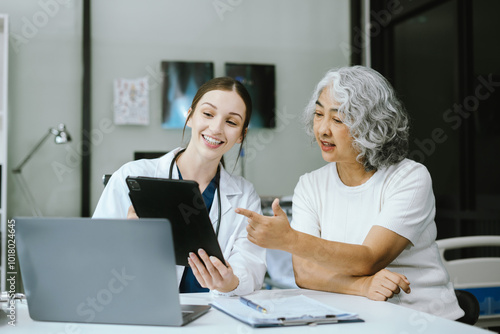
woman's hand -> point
(269, 232)
(384, 285)
(131, 213)
(212, 273)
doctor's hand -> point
(384, 285)
(212, 273)
(131, 213)
(269, 232)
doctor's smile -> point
(212, 142)
(218, 123)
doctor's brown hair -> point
(227, 84)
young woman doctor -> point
(219, 118)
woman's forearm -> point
(380, 247)
(309, 275)
(381, 286)
(344, 258)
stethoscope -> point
(217, 187)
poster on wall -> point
(131, 101)
(259, 80)
(181, 81)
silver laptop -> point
(101, 271)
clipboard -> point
(181, 202)
(287, 311)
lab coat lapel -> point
(163, 168)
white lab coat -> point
(247, 259)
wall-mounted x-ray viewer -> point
(259, 80)
(181, 81)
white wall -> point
(44, 90)
(130, 39)
(302, 38)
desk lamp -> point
(61, 137)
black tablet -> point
(181, 202)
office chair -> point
(137, 156)
(105, 179)
(479, 276)
(468, 302)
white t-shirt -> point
(398, 198)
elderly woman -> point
(368, 209)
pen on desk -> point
(251, 304)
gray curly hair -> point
(376, 118)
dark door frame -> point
(86, 144)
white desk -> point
(380, 317)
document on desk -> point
(283, 311)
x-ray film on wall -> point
(181, 81)
(259, 80)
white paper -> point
(289, 308)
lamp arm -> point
(17, 170)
